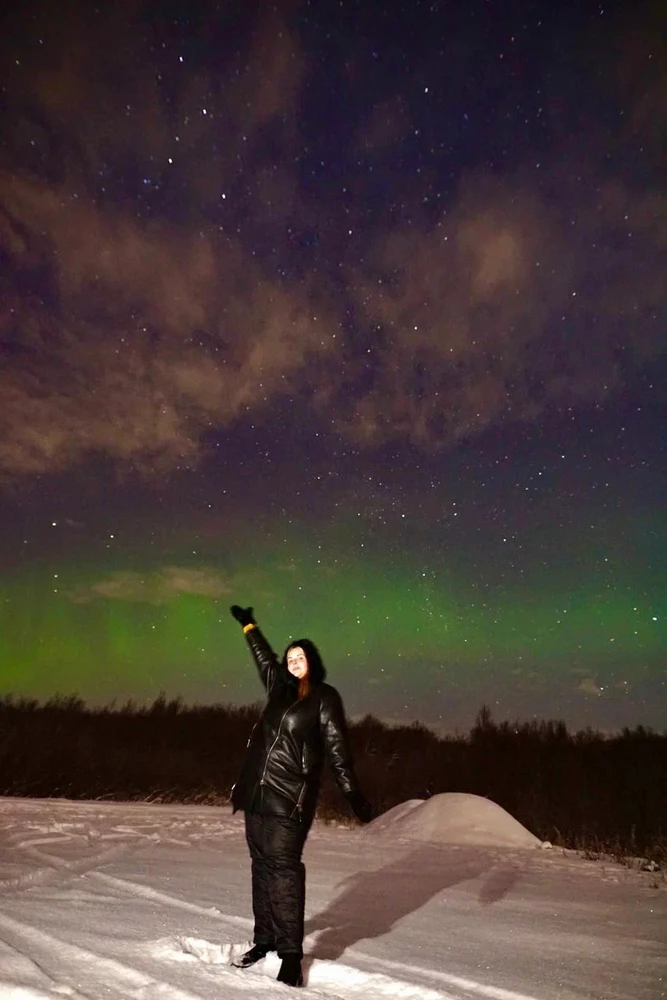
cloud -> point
(179, 259)
(589, 686)
(387, 125)
(507, 307)
(274, 71)
(640, 65)
(158, 587)
(155, 337)
(136, 320)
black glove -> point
(360, 806)
(244, 616)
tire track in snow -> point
(469, 987)
(155, 896)
(80, 828)
(8, 991)
(50, 865)
(90, 971)
(35, 984)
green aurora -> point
(110, 632)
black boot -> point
(256, 954)
(290, 971)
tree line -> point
(581, 790)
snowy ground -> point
(445, 900)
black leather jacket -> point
(287, 747)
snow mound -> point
(454, 818)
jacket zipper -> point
(298, 808)
(280, 724)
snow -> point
(454, 818)
(446, 899)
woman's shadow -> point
(369, 903)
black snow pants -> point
(278, 881)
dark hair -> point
(316, 670)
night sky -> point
(352, 312)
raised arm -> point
(270, 670)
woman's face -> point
(297, 664)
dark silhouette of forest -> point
(581, 790)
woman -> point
(278, 789)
